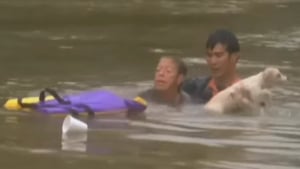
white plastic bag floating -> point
(71, 124)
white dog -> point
(250, 94)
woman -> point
(169, 76)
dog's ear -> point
(268, 74)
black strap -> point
(25, 105)
(90, 112)
(60, 100)
(54, 94)
(75, 113)
(42, 98)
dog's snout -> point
(284, 78)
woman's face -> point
(166, 75)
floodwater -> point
(74, 46)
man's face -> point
(220, 61)
(166, 75)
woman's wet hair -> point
(224, 37)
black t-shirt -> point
(198, 89)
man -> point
(222, 56)
(169, 76)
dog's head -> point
(272, 76)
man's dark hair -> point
(224, 37)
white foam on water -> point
(286, 39)
(242, 165)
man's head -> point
(170, 73)
(222, 53)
